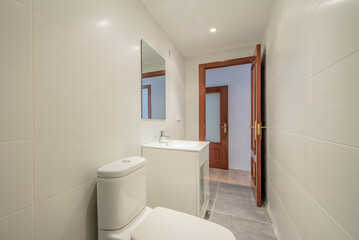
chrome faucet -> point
(163, 136)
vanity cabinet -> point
(177, 176)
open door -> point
(256, 126)
(217, 126)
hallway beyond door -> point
(231, 176)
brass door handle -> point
(259, 129)
(224, 127)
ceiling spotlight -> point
(212, 30)
(103, 23)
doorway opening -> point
(219, 126)
(224, 118)
(228, 96)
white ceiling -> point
(187, 22)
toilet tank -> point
(121, 192)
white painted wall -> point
(70, 101)
(191, 83)
(238, 80)
(312, 84)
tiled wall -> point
(312, 116)
(69, 103)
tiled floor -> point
(233, 207)
(237, 177)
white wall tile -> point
(276, 176)
(306, 42)
(289, 230)
(295, 59)
(115, 111)
(99, 22)
(63, 109)
(274, 114)
(61, 55)
(15, 44)
(298, 205)
(297, 155)
(86, 106)
(335, 94)
(63, 163)
(296, 109)
(275, 208)
(325, 227)
(15, 176)
(275, 147)
(17, 226)
(15, 105)
(26, 3)
(273, 87)
(332, 32)
(67, 215)
(336, 188)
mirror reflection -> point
(153, 83)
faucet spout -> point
(164, 136)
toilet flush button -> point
(126, 161)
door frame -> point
(148, 87)
(202, 87)
(257, 188)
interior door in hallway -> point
(256, 126)
(217, 126)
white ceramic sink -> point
(178, 145)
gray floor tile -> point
(213, 187)
(245, 229)
(210, 204)
(236, 191)
(240, 207)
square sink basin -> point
(178, 145)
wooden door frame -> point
(154, 74)
(148, 87)
(202, 108)
(202, 87)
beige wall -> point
(313, 138)
(191, 82)
(70, 85)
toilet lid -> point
(166, 224)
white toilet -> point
(123, 215)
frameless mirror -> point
(153, 83)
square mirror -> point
(153, 92)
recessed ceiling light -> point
(212, 30)
(103, 23)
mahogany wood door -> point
(217, 126)
(256, 127)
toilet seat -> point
(167, 224)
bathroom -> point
(71, 100)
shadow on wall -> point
(90, 214)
